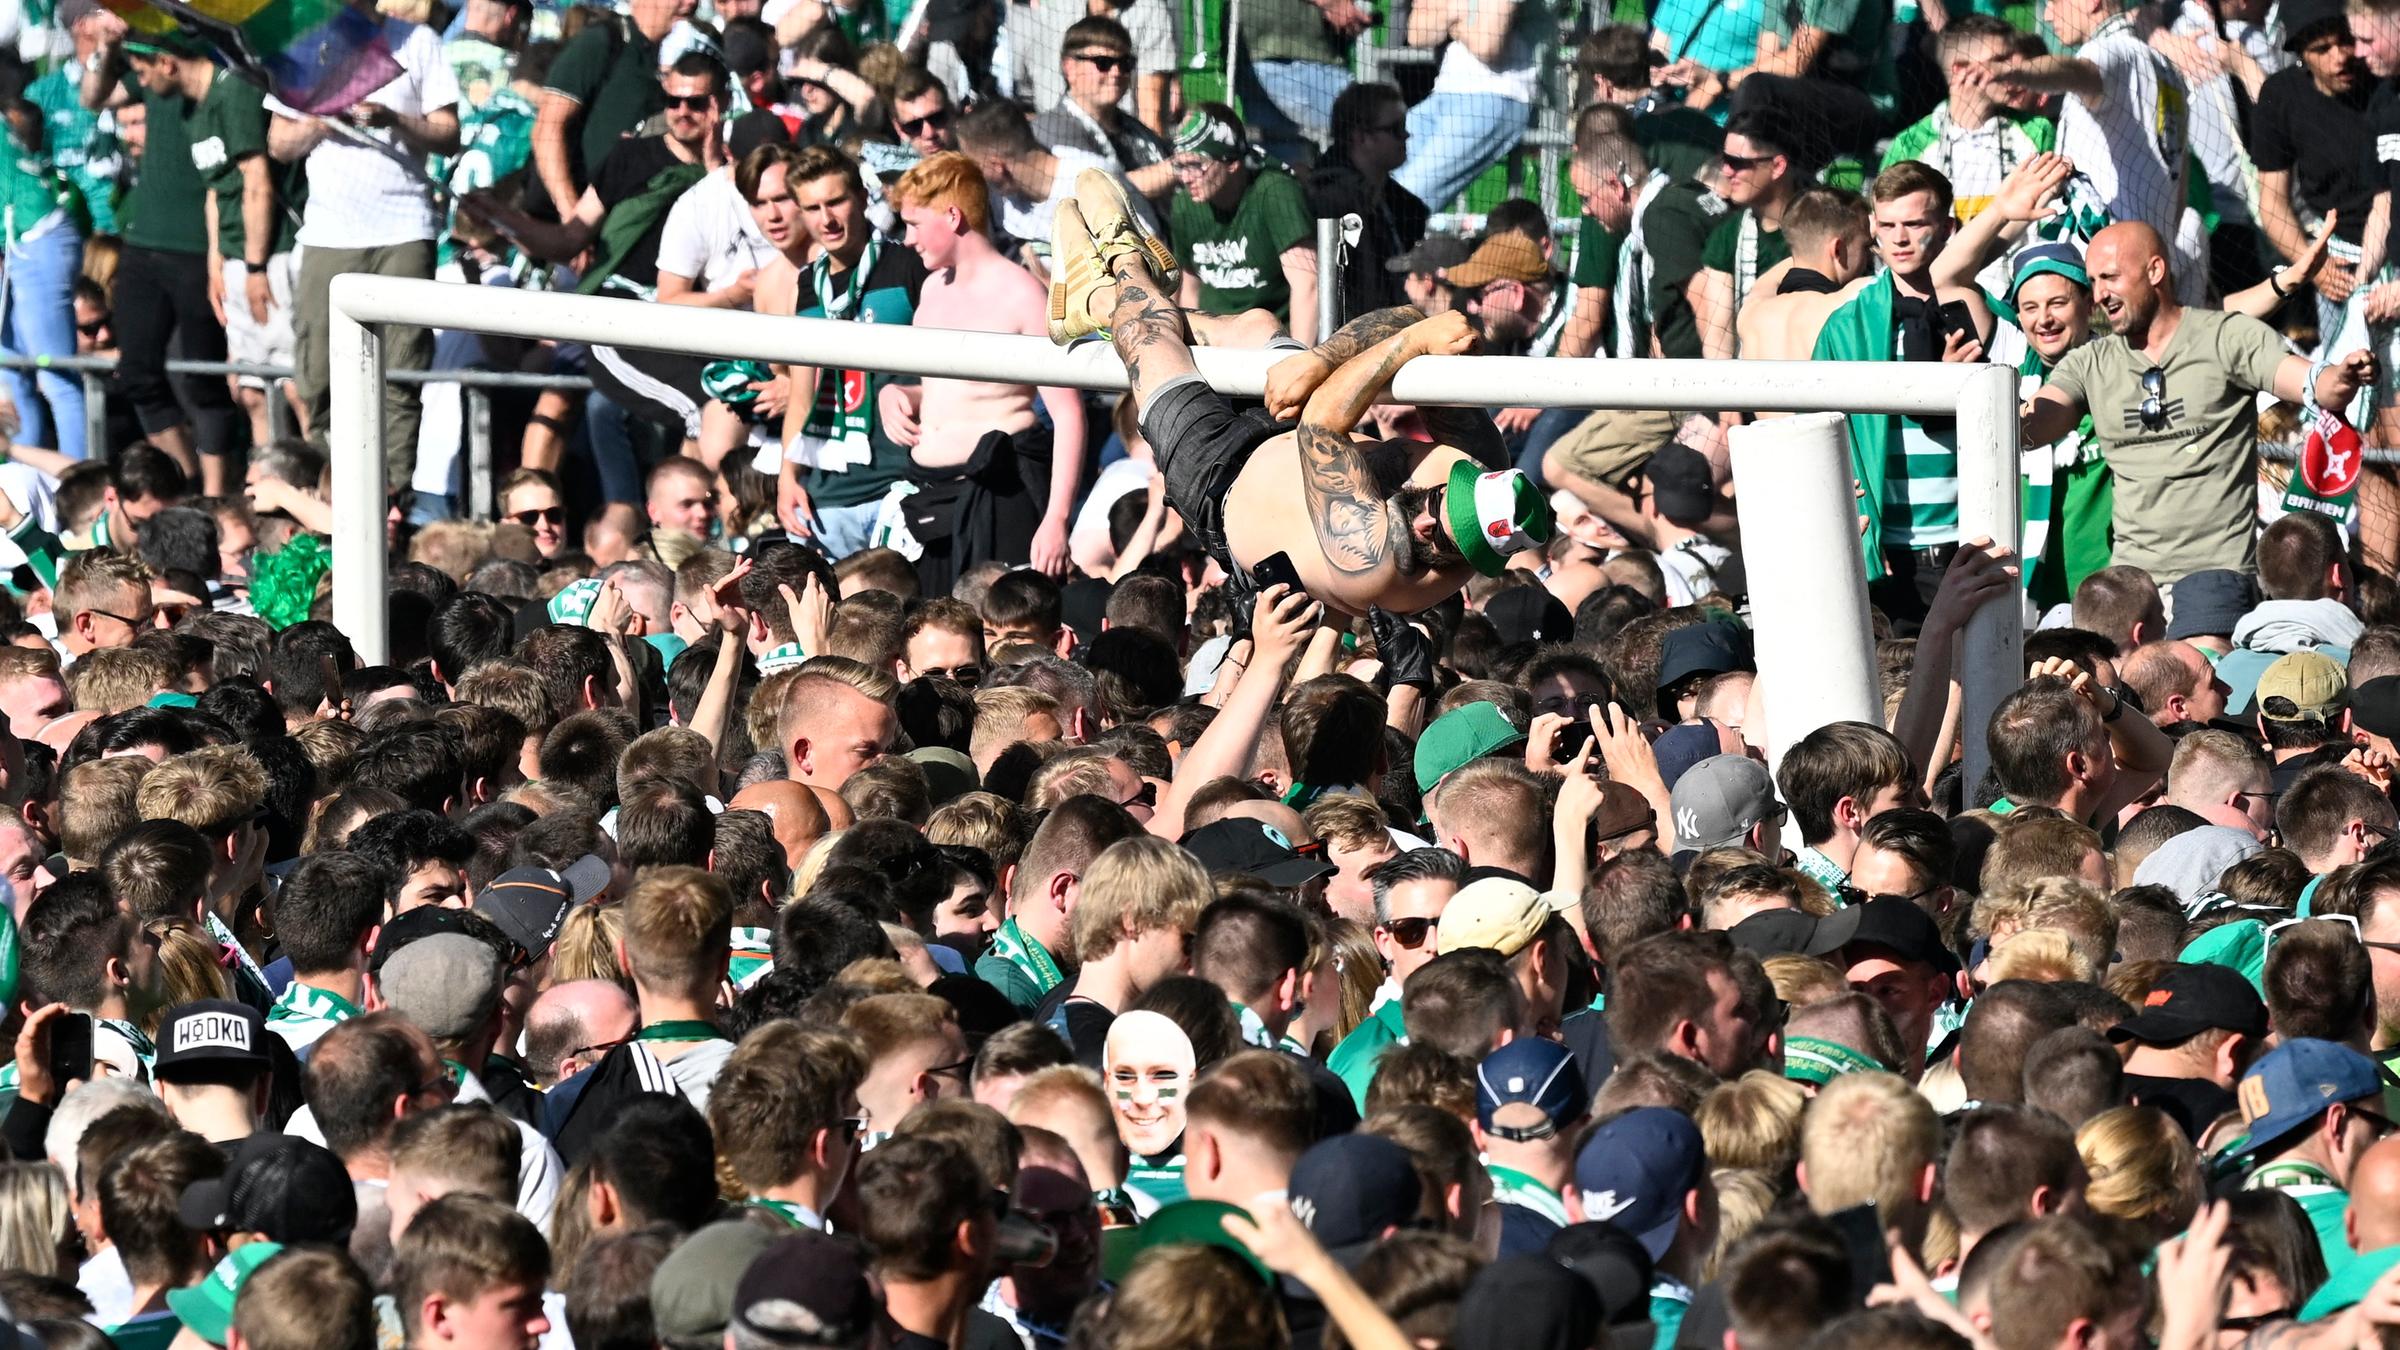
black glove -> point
(1406, 654)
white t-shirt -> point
(2132, 145)
(1122, 478)
(710, 235)
(1462, 72)
(1030, 220)
(365, 189)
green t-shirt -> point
(613, 72)
(2187, 481)
(1238, 256)
(1725, 244)
(482, 68)
(30, 190)
(1354, 1060)
(87, 155)
(163, 211)
(229, 126)
(1596, 248)
(1675, 232)
(153, 1331)
(1683, 141)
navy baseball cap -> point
(1352, 1189)
(1532, 1072)
(2297, 1081)
(1635, 1171)
(1714, 648)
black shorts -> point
(1201, 440)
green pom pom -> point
(283, 584)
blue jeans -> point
(1546, 429)
(611, 430)
(843, 530)
(1454, 137)
(41, 322)
(1291, 104)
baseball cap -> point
(2060, 259)
(1720, 799)
(1894, 924)
(2304, 21)
(1527, 1300)
(1188, 1223)
(1775, 932)
(2210, 603)
(279, 1185)
(1496, 913)
(1463, 734)
(2188, 998)
(949, 774)
(447, 984)
(2312, 683)
(1529, 614)
(1613, 1263)
(1507, 256)
(2375, 706)
(207, 1307)
(806, 1289)
(1239, 846)
(1353, 1188)
(1635, 1170)
(1433, 253)
(1607, 447)
(529, 903)
(2297, 1081)
(691, 1292)
(208, 1036)
(1681, 483)
(1622, 810)
(1680, 747)
(1704, 649)
(1493, 515)
(1530, 1072)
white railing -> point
(1982, 397)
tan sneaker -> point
(1082, 294)
(1116, 228)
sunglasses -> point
(932, 121)
(1852, 895)
(547, 515)
(1148, 796)
(1411, 933)
(691, 102)
(2154, 398)
(1744, 163)
(1107, 63)
(93, 329)
(970, 676)
(149, 621)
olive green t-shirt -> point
(229, 126)
(1238, 255)
(613, 74)
(163, 211)
(2187, 476)
(1675, 231)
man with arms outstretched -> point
(1395, 525)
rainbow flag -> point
(316, 56)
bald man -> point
(572, 1025)
(830, 731)
(795, 813)
(2171, 392)
(2374, 1218)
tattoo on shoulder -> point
(1347, 512)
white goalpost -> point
(1794, 497)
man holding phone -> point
(1392, 524)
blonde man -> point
(914, 1054)
(1871, 1139)
(2061, 903)
(1357, 840)
(1141, 899)
(32, 693)
(1007, 715)
(1088, 772)
(1068, 1101)
(102, 600)
(1494, 814)
(96, 804)
(447, 1151)
(831, 728)
(678, 926)
(114, 679)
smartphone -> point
(1956, 319)
(1276, 569)
(1861, 1229)
(71, 1050)
(331, 671)
(1571, 739)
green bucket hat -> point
(207, 1307)
(1492, 515)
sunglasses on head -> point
(932, 121)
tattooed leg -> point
(1148, 330)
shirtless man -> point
(1395, 525)
(1833, 247)
(971, 286)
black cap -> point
(1240, 846)
(808, 1289)
(1527, 1302)
(2375, 706)
(1681, 483)
(756, 128)
(1432, 254)
(207, 1037)
(2186, 999)
(1897, 925)
(1704, 649)
(1352, 1189)
(1775, 932)
(2306, 20)
(2210, 603)
(529, 903)
(280, 1185)
(1529, 614)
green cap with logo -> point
(1493, 515)
(1459, 735)
(207, 1307)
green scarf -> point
(631, 219)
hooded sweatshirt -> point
(2278, 628)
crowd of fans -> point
(853, 861)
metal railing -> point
(475, 387)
